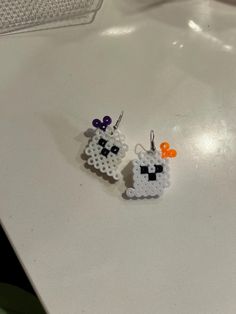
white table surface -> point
(171, 67)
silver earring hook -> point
(118, 121)
(152, 137)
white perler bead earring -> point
(107, 147)
(151, 171)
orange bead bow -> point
(166, 152)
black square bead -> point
(152, 177)
(144, 169)
(115, 149)
(158, 168)
(105, 152)
(102, 142)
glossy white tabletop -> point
(171, 66)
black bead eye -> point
(105, 152)
(143, 169)
(158, 168)
(115, 149)
(102, 142)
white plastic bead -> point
(88, 151)
(130, 192)
(90, 161)
(150, 182)
(117, 176)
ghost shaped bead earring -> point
(107, 147)
(151, 171)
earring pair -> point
(107, 148)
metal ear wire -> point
(152, 143)
(118, 121)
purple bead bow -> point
(102, 124)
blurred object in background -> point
(29, 15)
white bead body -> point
(150, 175)
(106, 150)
